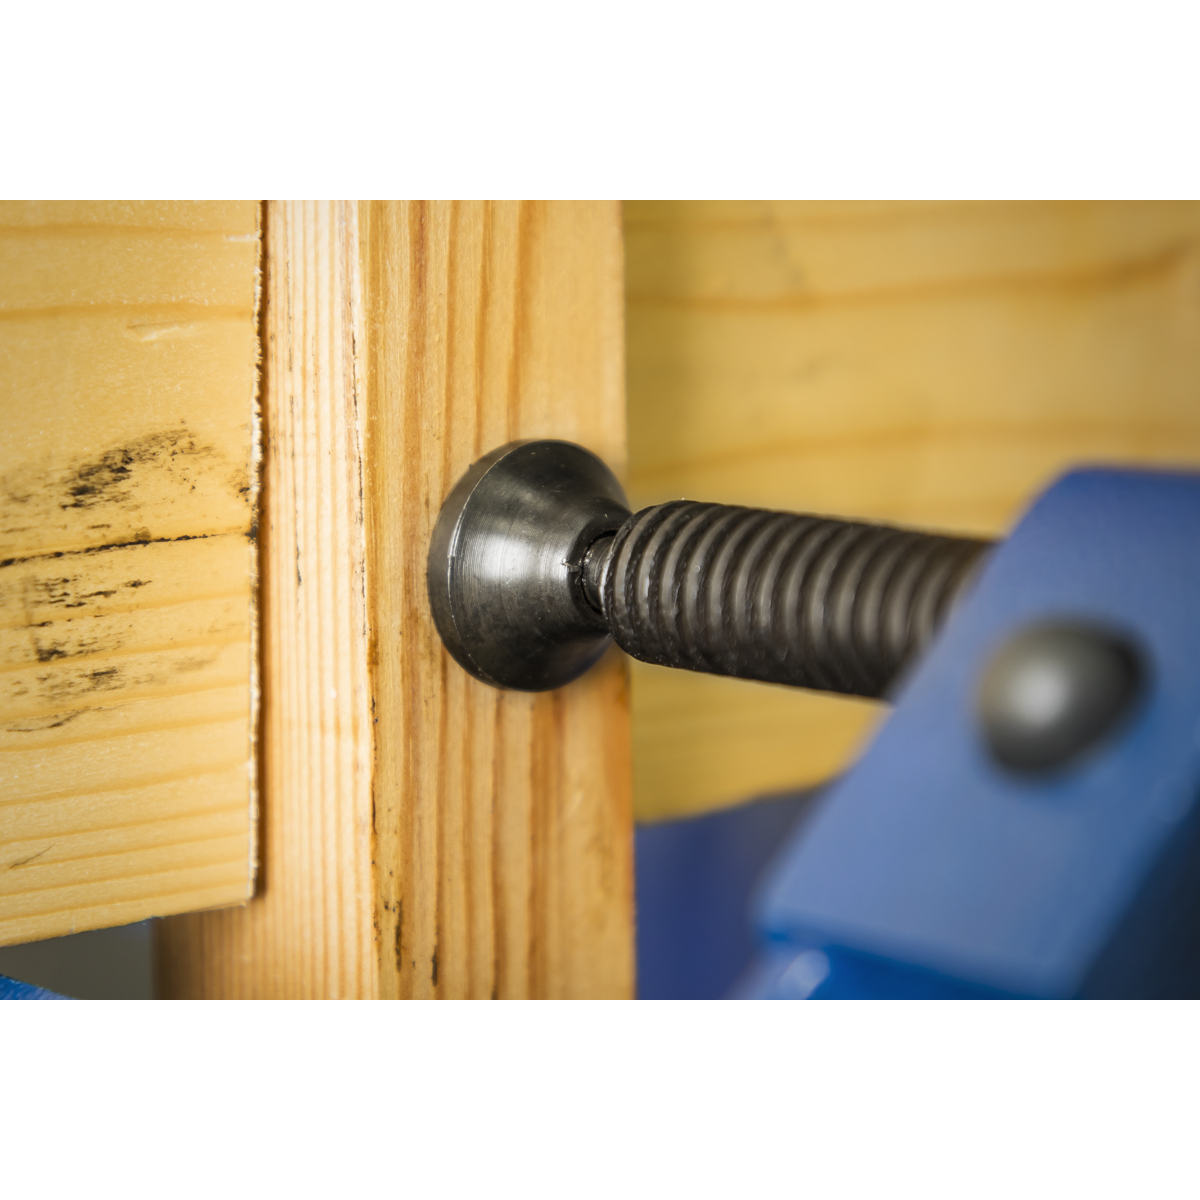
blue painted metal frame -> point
(930, 871)
(695, 877)
(14, 989)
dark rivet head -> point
(1054, 690)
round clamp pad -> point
(505, 564)
(1055, 690)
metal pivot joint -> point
(536, 564)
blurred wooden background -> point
(932, 364)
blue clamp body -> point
(14, 989)
(931, 871)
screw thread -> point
(800, 600)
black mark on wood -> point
(112, 478)
(38, 724)
(183, 537)
(24, 862)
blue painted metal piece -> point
(930, 871)
(14, 989)
(695, 877)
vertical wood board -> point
(308, 933)
(503, 819)
(466, 842)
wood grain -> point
(494, 322)
(485, 837)
(933, 364)
(127, 561)
(309, 931)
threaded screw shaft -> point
(807, 601)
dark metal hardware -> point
(537, 563)
(1055, 690)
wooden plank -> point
(467, 842)
(309, 932)
(494, 322)
(127, 561)
(930, 364)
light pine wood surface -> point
(503, 819)
(309, 932)
(127, 561)
(424, 835)
(930, 364)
